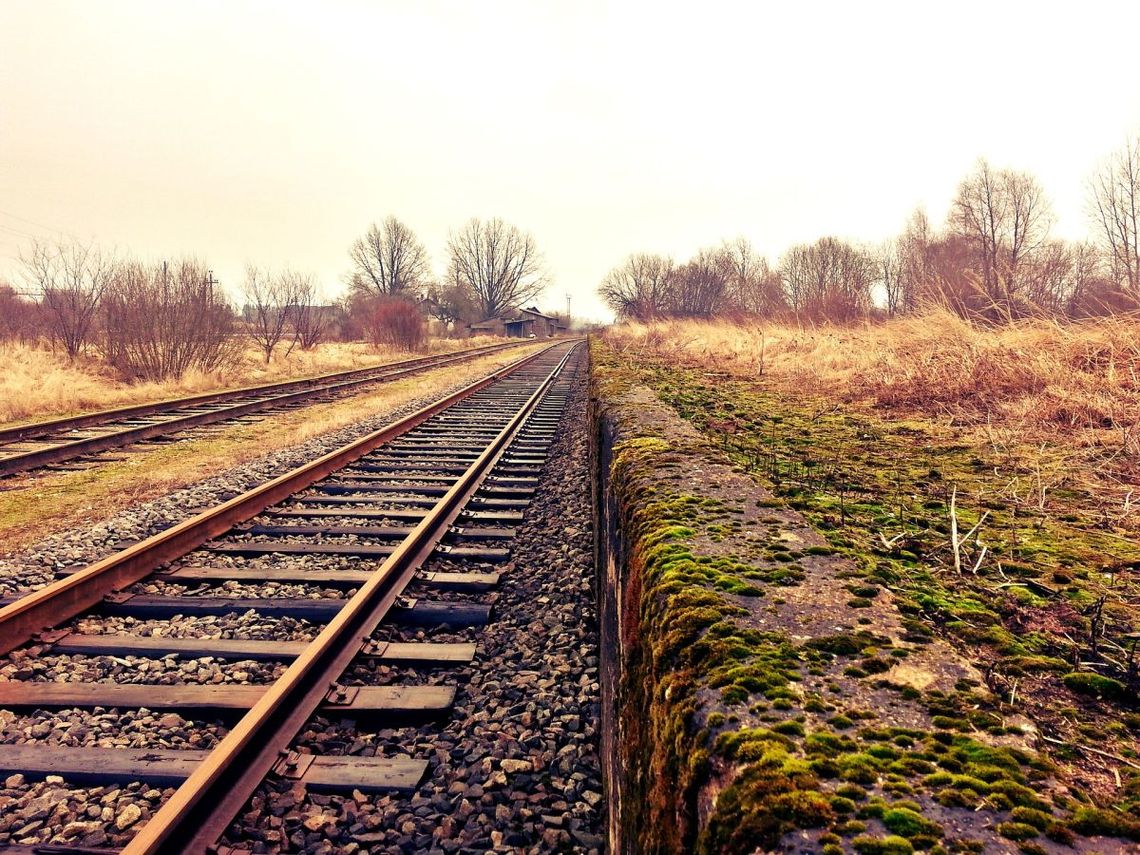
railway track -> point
(64, 441)
(402, 528)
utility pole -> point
(567, 310)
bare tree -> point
(309, 319)
(828, 280)
(389, 259)
(21, 319)
(499, 265)
(269, 302)
(889, 261)
(917, 272)
(1115, 207)
(1007, 218)
(161, 320)
(700, 285)
(453, 304)
(640, 287)
(753, 287)
(70, 277)
(1063, 278)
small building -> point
(491, 326)
(530, 321)
(522, 323)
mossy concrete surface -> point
(764, 692)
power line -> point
(11, 230)
(34, 223)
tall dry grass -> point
(36, 383)
(1055, 375)
(1074, 387)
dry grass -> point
(36, 383)
(34, 506)
(1074, 387)
(1054, 376)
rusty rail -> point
(198, 813)
(66, 598)
(35, 430)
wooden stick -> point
(1091, 750)
(954, 531)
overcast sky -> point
(276, 132)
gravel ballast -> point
(515, 765)
(36, 567)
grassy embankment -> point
(36, 383)
(66, 499)
(984, 478)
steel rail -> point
(25, 461)
(200, 811)
(34, 430)
(66, 598)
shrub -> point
(161, 321)
(394, 322)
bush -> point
(161, 321)
(394, 322)
(21, 319)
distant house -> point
(491, 326)
(430, 309)
(522, 323)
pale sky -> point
(275, 132)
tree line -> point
(156, 321)
(492, 267)
(995, 258)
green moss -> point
(953, 798)
(846, 644)
(1037, 818)
(1108, 823)
(1085, 683)
(760, 807)
(827, 743)
(910, 823)
(1016, 830)
(851, 791)
(867, 845)
(859, 768)
(819, 550)
(1060, 833)
(790, 728)
(841, 805)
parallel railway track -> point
(50, 443)
(332, 550)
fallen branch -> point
(955, 541)
(981, 558)
(954, 531)
(890, 544)
(1091, 750)
(1031, 584)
